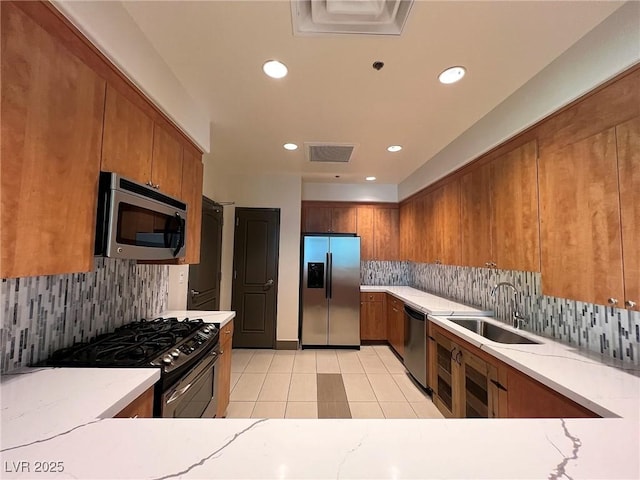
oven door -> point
(195, 394)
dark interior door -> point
(204, 278)
(255, 277)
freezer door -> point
(344, 291)
(315, 316)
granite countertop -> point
(62, 420)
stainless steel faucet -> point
(517, 318)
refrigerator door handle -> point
(330, 274)
(327, 275)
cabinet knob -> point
(630, 303)
(613, 301)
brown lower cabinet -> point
(223, 369)
(469, 383)
(373, 316)
(395, 324)
(141, 407)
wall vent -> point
(329, 152)
(350, 17)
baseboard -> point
(286, 344)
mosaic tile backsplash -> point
(43, 314)
(611, 332)
(384, 273)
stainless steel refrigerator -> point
(330, 293)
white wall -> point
(110, 27)
(178, 283)
(607, 50)
(349, 192)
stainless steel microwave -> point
(136, 221)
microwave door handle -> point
(181, 229)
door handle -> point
(268, 285)
(194, 292)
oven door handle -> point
(178, 393)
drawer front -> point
(372, 296)
(395, 302)
(226, 331)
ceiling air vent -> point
(329, 152)
(354, 17)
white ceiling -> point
(332, 93)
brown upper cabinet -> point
(329, 219)
(52, 111)
(628, 139)
(128, 138)
(192, 170)
(442, 216)
(379, 232)
(499, 212)
(580, 221)
(476, 217)
(137, 148)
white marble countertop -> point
(426, 302)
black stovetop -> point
(133, 344)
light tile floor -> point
(283, 384)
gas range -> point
(168, 343)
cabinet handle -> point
(149, 184)
(453, 350)
(157, 186)
(498, 384)
(630, 303)
(459, 358)
(613, 301)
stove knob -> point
(206, 330)
(167, 360)
(175, 353)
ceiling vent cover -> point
(351, 17)
(330, 152)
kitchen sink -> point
(491, 331)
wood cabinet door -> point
(445, 389)
(528, 398)
(141, 407)
(127, 139)
(317, 219)
(373, 321)
(386, 229)
(166, 169)
(407, 230)
(223, 369)
(395, 324)
(476, 217)
(628, 140)
(343, 220)
(516, 234)
(581, 247)
(51, 132)
(365, 231)
(192, 171)
(444, 234)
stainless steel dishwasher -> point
(415, 344)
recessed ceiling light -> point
(452, 75)
(275, 69)
(394, 148)
(290, 146)
(370, 179)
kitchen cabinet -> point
(476, 217)
(51, 133)
(192, 171)
(373, 316)
(141, 407)
(323, 218)
(395, 324)
(127, 143)
(386, 233)
(409, 241)
(223, 369)
(516, 232)
(530, 399)
(139, 149)
(447, 386)
(628, 146)
(379, 231)
(442, 215)
(581, 247)
(166, 167)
